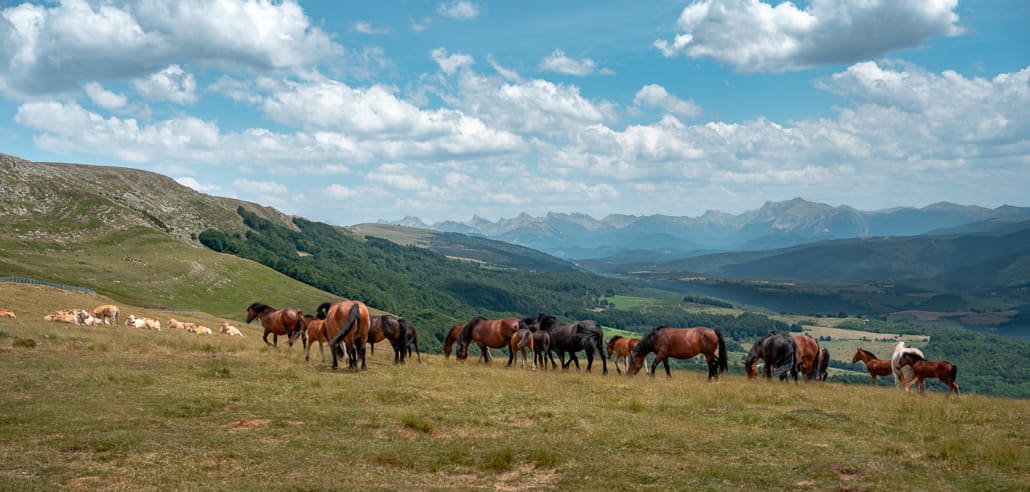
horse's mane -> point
(615, 338)
(916, 357)
(646, 344)
(466, 332)
(258, 307)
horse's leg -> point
(361, 352)
(874, 378)
(275, 339)
(665, 362)
(617, 357)
(321, 351)
(307, 353)
(265, 338)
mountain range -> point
(630, 238)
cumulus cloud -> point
(172, 84)
(450, 63)
(253, 187)
(365, 27)
(655, 96)
(460, 9)
(55, 49)
(191, 182)
(755, 36)
(558, 62)
(105, 98)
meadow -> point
(116, 408)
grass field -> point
(115, 408)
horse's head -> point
(636, 361)
(253, 310)
(611, 345)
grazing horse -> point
(487, 333)
(522, 341)
(807, 355)
(903, 375)
(620, 347)
(452, 337)
(288, 321)
(876, 367)
(922, 369)
(571, 338)
(105, 313)
(778, 351)
(413, 342)
(681, 343)
(315, 329)
(392, 328)
(346, 323)
(824, 365)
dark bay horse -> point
(681, 343)
(922, 368)
(807, 355)
(824, 365)
(620, 347)
(315, 330)
(452, 337)
(288, 321)
(570, 338)
(778, 351)
(487, 333)
(876, 367)
(346, 322)
(542, 348)
(392, 328)
(413, 343)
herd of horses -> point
(346, 327)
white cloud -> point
(171, 84)
(253, 187)
(398, 177)
(190, 182)
(450, 63)
(422, 24)
(459, 9)
(559, 62)
(54, 50)
(754, 36)
(105, 98)
(655, 96)
(365, 27)
(340, 192)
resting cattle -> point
(230, 330)
(85, 318)
(62, 316)
(6, 314)
(143, 323)
(198, 329)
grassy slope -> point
(120, 408)
(148, 268)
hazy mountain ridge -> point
(774, 225)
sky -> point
(351, 112)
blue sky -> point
(357, 111)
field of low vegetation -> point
(116, 408)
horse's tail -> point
(824, 362)
(403, 338)
(300, 327)
(783, 369)
(352, 321)
(724, 363)
(323, 309)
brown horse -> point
(413, 343)
(346, 323)
(620, 347)
(288, 321)
(681, 343)
(542, 348)
(315, 329)
(522, 341)
(392, 328)
(876, 367)
(943, 370)
(807, 355)
(487, 333)
(452, 337)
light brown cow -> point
(199, 330)
(174, 323)
(106, 312)
(143, 323)
(85, 318)
(230, 330)
(6, 314)
(62, 316)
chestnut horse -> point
(922, 368)
(392, 328)
(315, 329)
(288, 321)
(807, 355)
(522, 341)
(620, 347)
(452, 337)
(487, 333)
(681, 343)
(778, 351)
(876, 367)
(346, 323)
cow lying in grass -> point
(230, 330)
(143, 323)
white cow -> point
(230, 330)
(143, 323)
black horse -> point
(573, 337)
(778, 351)
(413, 342)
